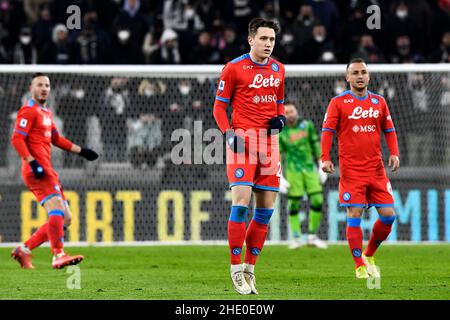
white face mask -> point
(149, 92)
(338, 90)
(79, 94)
(189, 13)
(25, 39)
(123, 35)
(402, 14)
(319, 39)
(184, 90)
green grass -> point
(202, 272)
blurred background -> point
(135, 192)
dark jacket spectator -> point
(59, 50)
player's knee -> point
(262, 215)
(294, 206)
(316, 202)
(387, 219)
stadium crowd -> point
(214, 32)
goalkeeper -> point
(300, 151)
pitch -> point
(201, 272)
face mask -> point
(287, 38)
(189, 13)
(338, 90)
(123, 35)
(79, 94)
(402, 14)
(319, 39)
(184, 90)
(149, 92)
(25, 39)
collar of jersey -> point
(31, 103)
(356, 97)
(247, 55)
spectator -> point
(328, 14)
(113, 114)
(403, 53)
(131, 19)
(125, 50)
(58, 51)
(232, 48)
(203, 52)
(368, 50)
(316, 50)
(42, 29)
(25, 51)
(168, 52)
(144, 140)
(303, 25)
(32, 9)
(442, 54)
(91, 44)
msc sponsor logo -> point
(264, 99)
(366, 128)
(359, 113)
(260, 81)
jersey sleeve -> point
(329, 127)
(226, 86)
(331, 119)
(24, 122)
(59, 141)
(387, 125)
(280, 95)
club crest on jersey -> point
(47, 121)
(23, 123)
(374, 100)
(239, 173)
(259, 81)
(275, 67)
(346, 196)
(221, 85)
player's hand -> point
(284, 185)
(328, 167)
(88, 154)
(37, 169)
(394, 163)
(322, 175)
(277, 124)
(236, 143)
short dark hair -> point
(256, 23)
(38, 74)
(355, 60)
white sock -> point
(249, 268)
(24, 248)
(236, 268)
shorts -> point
(258, 167)
(365, 192)
(303, 181)
(44, 188)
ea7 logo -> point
(348, 100)
(47, 121)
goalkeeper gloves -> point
(37, 169)
(236, 143)
(277, 124)
(322, 175)
(88, 154)
(284, 185)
